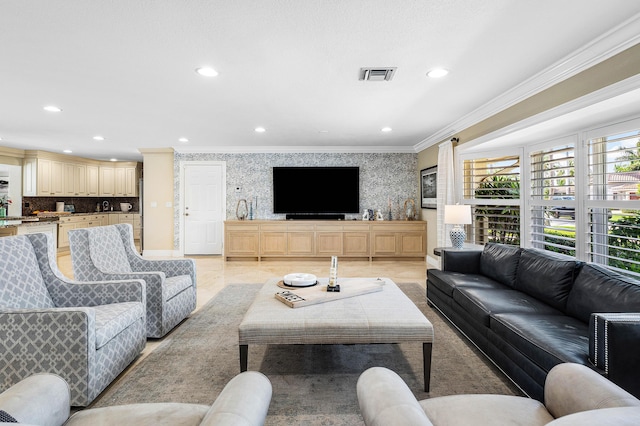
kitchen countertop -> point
(13, 221)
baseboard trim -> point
(432, 261)
(159, 253)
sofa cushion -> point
(599, 289)
(500, 262)
(547, 340)
(21, 283)
(175, 285)
(480, 303)
(112, 319)
(446, 281)
(547, 276)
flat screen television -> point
(316, 191)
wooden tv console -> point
(261, 239)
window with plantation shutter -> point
(613, 199)
(492, 187)
(553, 198)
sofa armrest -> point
(94, 293)
(385, 399)
(614, 344)
(462, 261)
(572, 388)
(41, 399)
(243, 401)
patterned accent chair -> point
(87, 334)
(108, 253)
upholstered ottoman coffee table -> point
(386, 316)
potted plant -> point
(4, 205)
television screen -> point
(316, 190)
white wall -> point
(13, 174)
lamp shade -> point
(457, 214)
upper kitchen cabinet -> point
(50, 174)
(119, 179)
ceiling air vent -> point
(377, 74)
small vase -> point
(241, 209)
(3, 212)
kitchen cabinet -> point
(36, 228)
(120, 180)
(50, 177)
(75, 180)
(51, 174)
(69, 222)
(93, 179)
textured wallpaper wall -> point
(382, 176)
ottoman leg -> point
(244, 353)
(426, 360)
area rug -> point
(312, 384)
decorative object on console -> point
(379, 215)
(457, 215)
(410, 209)
(241, 209)
(365, 215)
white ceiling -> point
(124, 69)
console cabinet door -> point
(329, 243)
(273, 244)
(356, 244)
(300, 244)
(412, 243)
(385, 244)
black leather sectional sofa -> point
(529, 310)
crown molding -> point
(602, 95)
(602, 48)
(293, 149)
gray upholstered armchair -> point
(87, 333)
(108, 253)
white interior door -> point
(203, 209)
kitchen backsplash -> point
(81, 204)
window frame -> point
(583, 205)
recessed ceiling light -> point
(113, 159)
(98, 138)
(260, 129)
(67, 151)
(207, 71)
(437, 73)
(386, 129)
(52, 108)
(183, 140)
